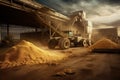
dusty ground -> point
(82, 66)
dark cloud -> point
(111, 1)
(101, 1)
(70, 1)
(99, 11)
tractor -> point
(81, 36)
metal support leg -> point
(8, 30)
(36, 29)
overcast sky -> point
(106, 12)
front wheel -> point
(64, 43)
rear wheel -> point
(89, 42)
(84, 42)
(64, 43)
(52, 43)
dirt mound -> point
(27, 53)
(104, 44)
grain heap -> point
(27, 53)
(104, 44)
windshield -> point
(69, 33)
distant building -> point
(14, 31)
(110, 33)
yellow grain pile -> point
(27, 53)
(104, 44)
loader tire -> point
(64, 43)
(81, 43)
(52, 44)
(89, 42)
(84, 43)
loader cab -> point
(69, 33)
